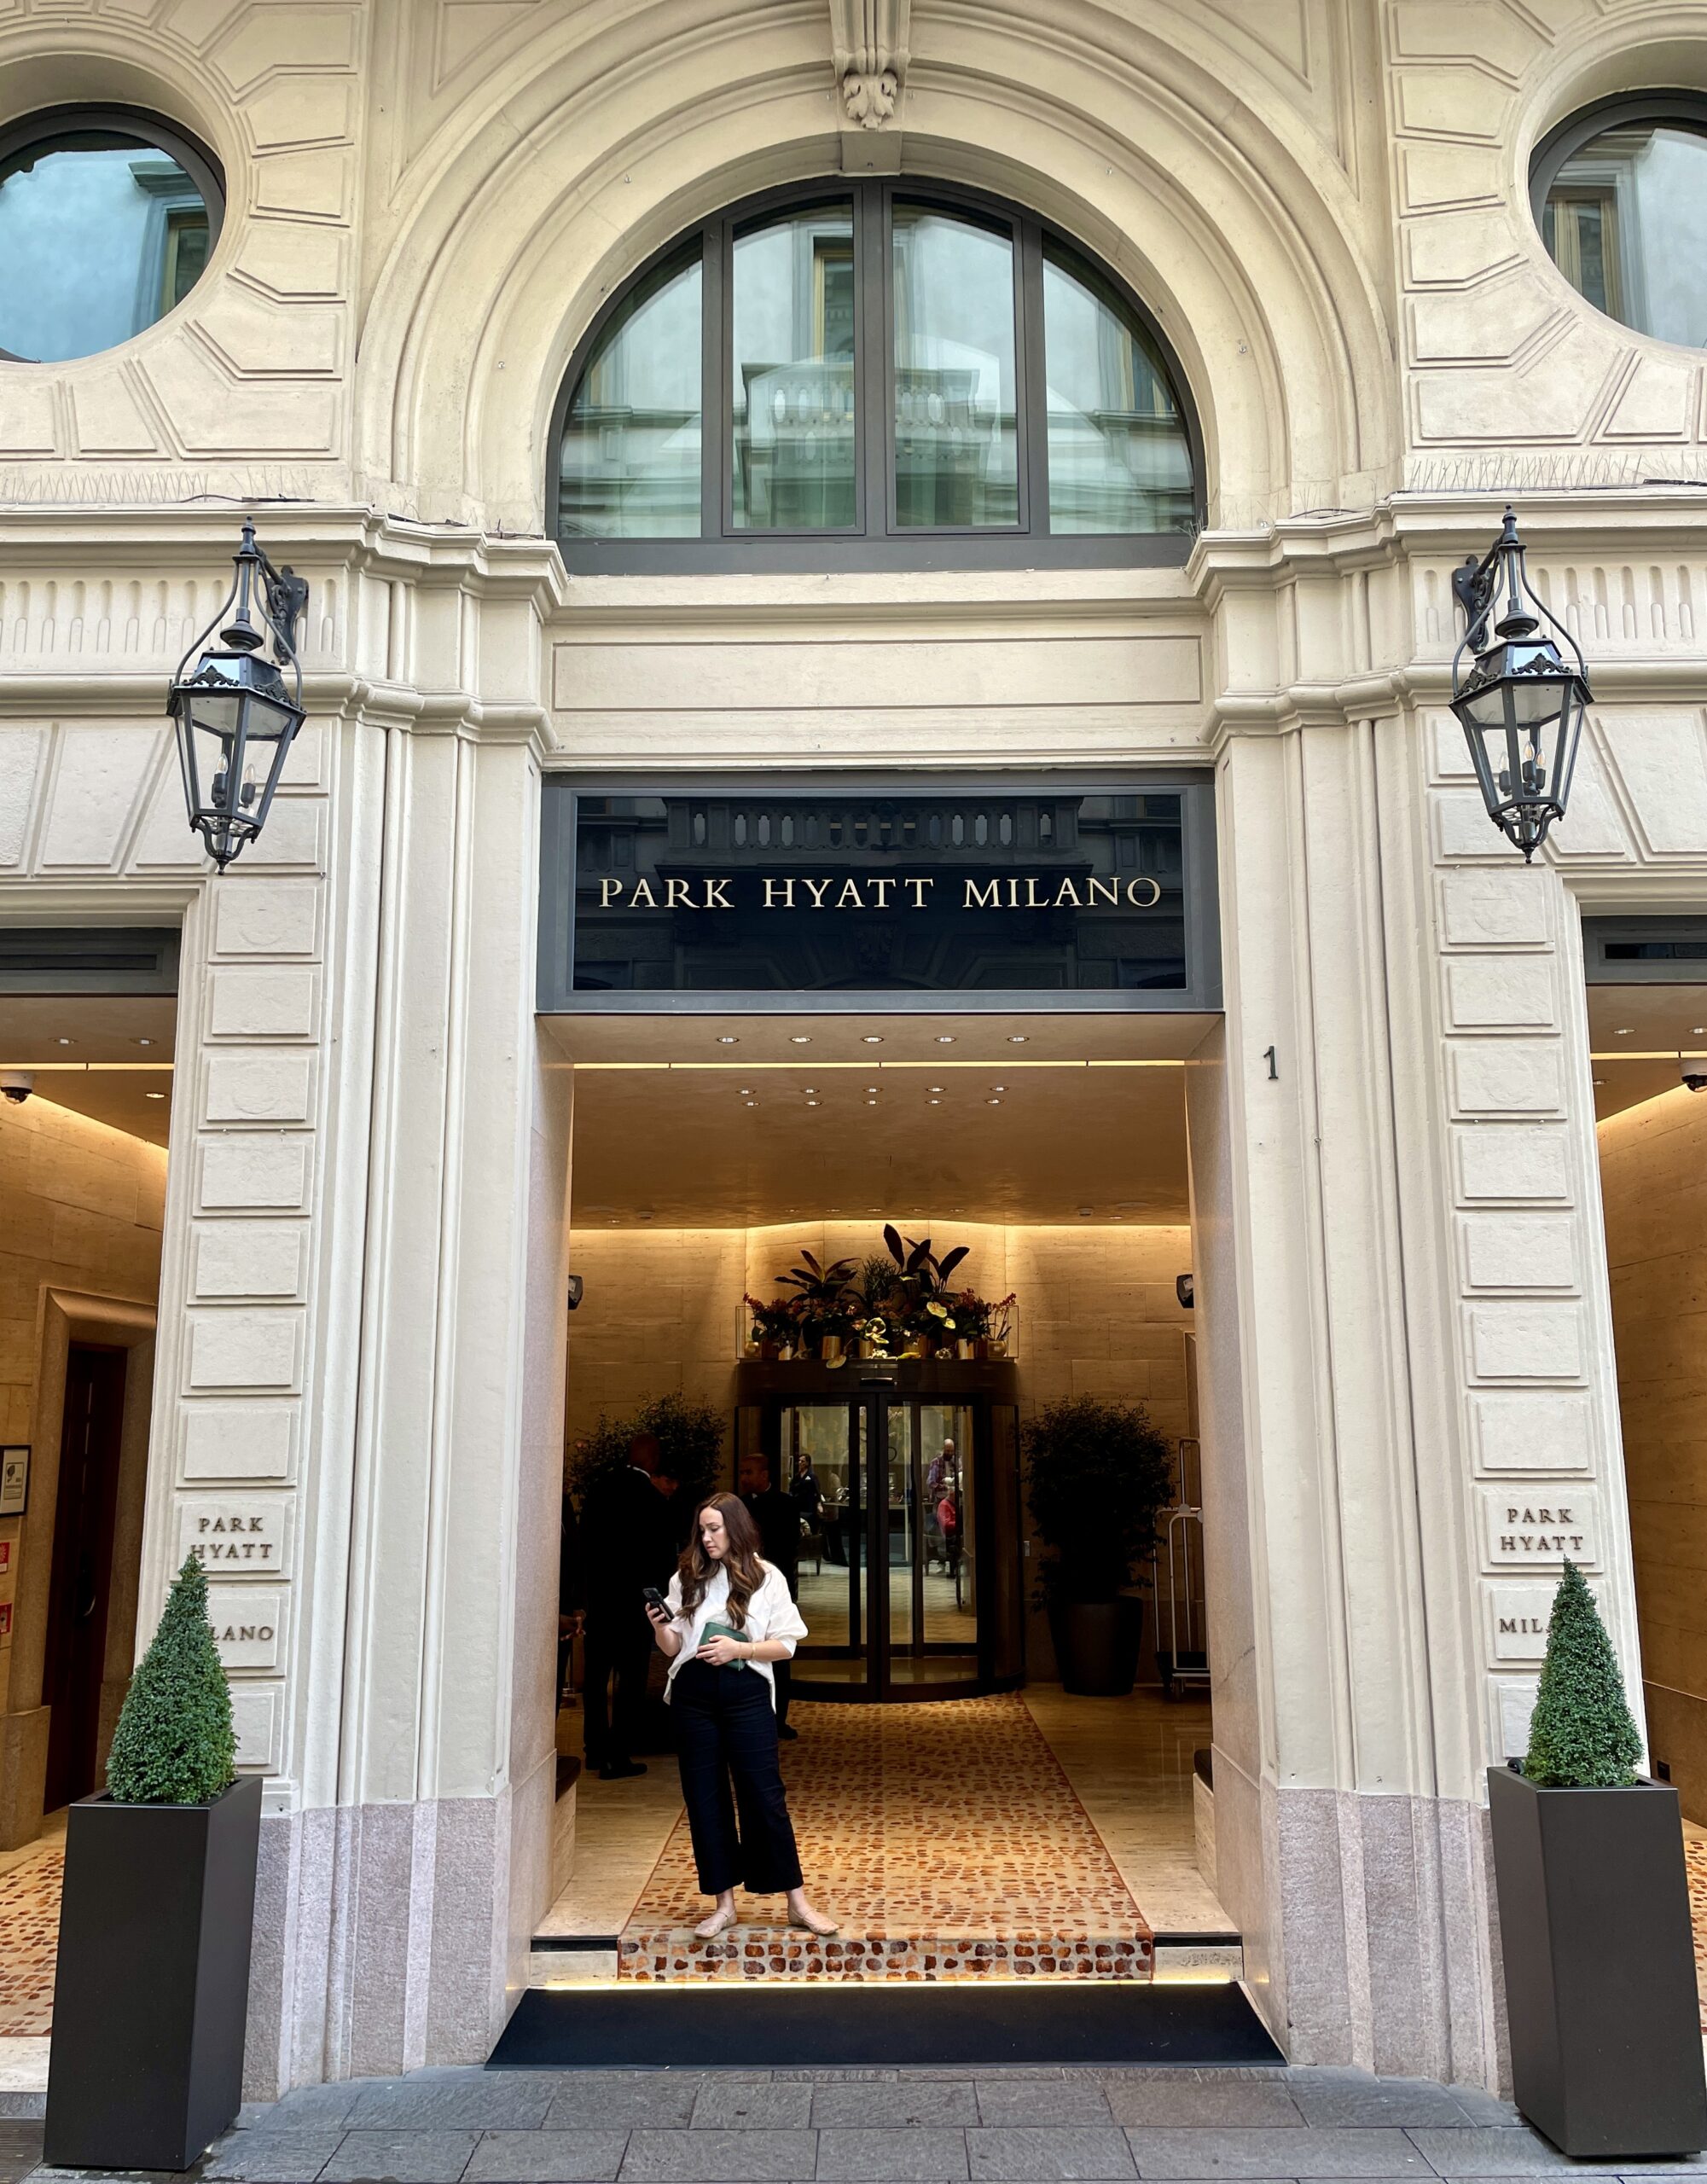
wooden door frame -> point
(69, 1316)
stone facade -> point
(1402, 1276)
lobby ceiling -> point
(104, 1055)
(1635, 1036)
(1024, 1120)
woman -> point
(728, 1621)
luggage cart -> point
(1181, 1637)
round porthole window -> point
(107, 219)
(1620, 195)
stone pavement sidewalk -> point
(869, 2126)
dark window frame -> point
(1029, 544)
(1683, 109)
(58, 129)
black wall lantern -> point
(236, 715)
(1519, 702)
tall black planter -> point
(1600, 1966)
(1096, 1645)
(153, 1985)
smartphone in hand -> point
(654, 1599)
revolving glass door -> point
(909, 1579)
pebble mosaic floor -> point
(29, 1938)
(944, 1838)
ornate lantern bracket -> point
(237, 711)
(1519, 698)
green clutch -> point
(723, 1631)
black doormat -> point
(710, 2027)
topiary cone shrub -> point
(1582, 1736)
(175, 1743)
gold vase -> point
(831, 1350)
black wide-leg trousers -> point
(725, 1734)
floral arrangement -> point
(900, 1305)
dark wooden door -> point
(81, 1568)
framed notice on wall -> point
(14, 1481)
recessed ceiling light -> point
(1018, 1038)
(933, 1103)
(935, 1088)
(728, 1039)
(809, 1088)
(871, 1103)
(799, 1038)
(65, 1042)
(992, 1102)
(871, 1088)
(752, 1103)
(1623, 1031)
(871, 1038)
(945, 1038)
(154, 1096)
(812, 1103)
(1697, 1029)
(998, 1087)
(1599, 1081)
(143, 1043)
(1087, 1213)
(746, 1091)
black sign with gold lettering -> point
(1100, 899)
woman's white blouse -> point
(770, 1613)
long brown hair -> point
(746, 1571)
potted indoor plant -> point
(1594, 1929)
(152, 1989)
(1097, 1473)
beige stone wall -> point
(1653, 1182)
(83, 1207)
(661, 1313)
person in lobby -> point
(727, 1624)
(777, 1515)
(626, 1545)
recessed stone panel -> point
(1543, 1432)
(248, 1258)
(1525, 1339)
(1518, 1620)
(1462, 828)
(261, 1004)
(1510, 1161)
(1515, 1076)
(1518, 1251)
(1498, 993)
(239, 1440)
(258, 1716)
(1494, 909)
(248, 1624)
(246, 1170)
(272, 1086)
(238, 1349)
(97, 795)
(1511, 1700)
(240, 1533)
(268, 917)
(1540, 1524)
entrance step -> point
(666, 1955)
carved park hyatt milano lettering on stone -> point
(1032, 891)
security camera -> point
(575, 1291)
(1693, 1071)
(1185, 1288)
(17, 1084)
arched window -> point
(108, 218)
(872, 374)
(1620, 195)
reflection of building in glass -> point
(1625, 221)
(629, 466)
(97, 240)
(793, 385)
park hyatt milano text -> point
(883, 894)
